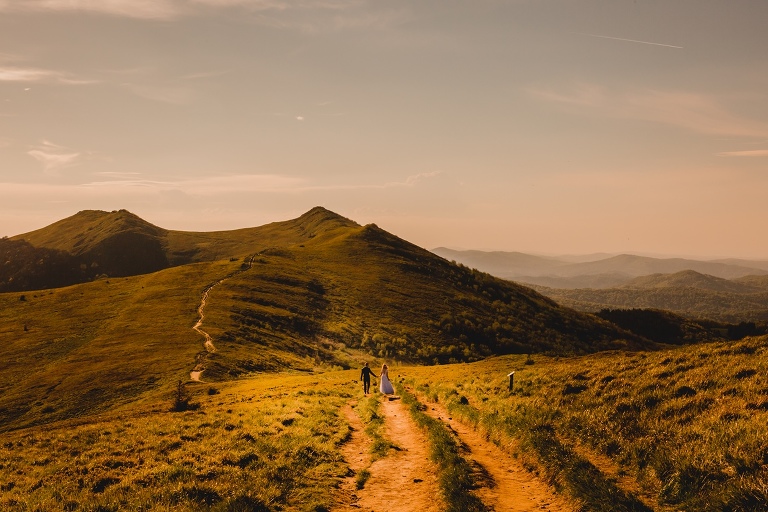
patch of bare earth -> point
(403, 481)
(357, 453)
(503, 483)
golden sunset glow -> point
(550, 127)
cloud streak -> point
(749, 153)
(53, 157)
(32, 75)
(632, 40)
(307, 16)
(130, 183)
(691, 111)
(147, 9)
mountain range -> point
(593, 271)
(98, 309)
(724, 291)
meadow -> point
(677, 429)
(260, 444)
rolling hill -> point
(319, 290)
(597, 271)
(686, 293)
(95, 244)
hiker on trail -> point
(365, 376)
(385, 386)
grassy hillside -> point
(686, 293)
(83, 349)
(679, 429)
(320, 290)
(366, 289)
(95, 244)
(264, 444)
(671, 430)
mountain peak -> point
(319, 221)
(87, 228)
(320, 214)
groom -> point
(365, 376)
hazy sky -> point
(550, 126)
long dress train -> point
(384, 385)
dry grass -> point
(87, 348)
(670, 430)
(262, 444)
(681, 429)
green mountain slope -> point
(693, 279)
(93, 244)
(686, 293)
(319, 288)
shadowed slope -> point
(367, 289)
(320, 288)
(80, 248)
(93, 244)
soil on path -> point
(503, 483)
(208, 345)
(403, 481)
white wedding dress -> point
(384, 385)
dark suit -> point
(365, 376)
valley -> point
(229, 381)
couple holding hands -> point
(385, 386)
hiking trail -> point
(405, 480)
(208, 345)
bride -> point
(385, 386)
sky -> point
(541, 126)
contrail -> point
(631, 40)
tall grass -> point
(264, 444)
(680, 429)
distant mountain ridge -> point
(93, 243)
(686, 293)
(605, 272)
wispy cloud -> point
(695, 112)
(202, 186)
(418, 178)
(13, 74)
(148, 9)
(753, 153)
(242, 184)
(54, 157)
(170, 9)
(32, 74)
(631, 40)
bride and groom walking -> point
(385, 386)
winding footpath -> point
(503, 484)
(405, 480)
(208, 345)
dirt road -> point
(405, 480)
(503, 483)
